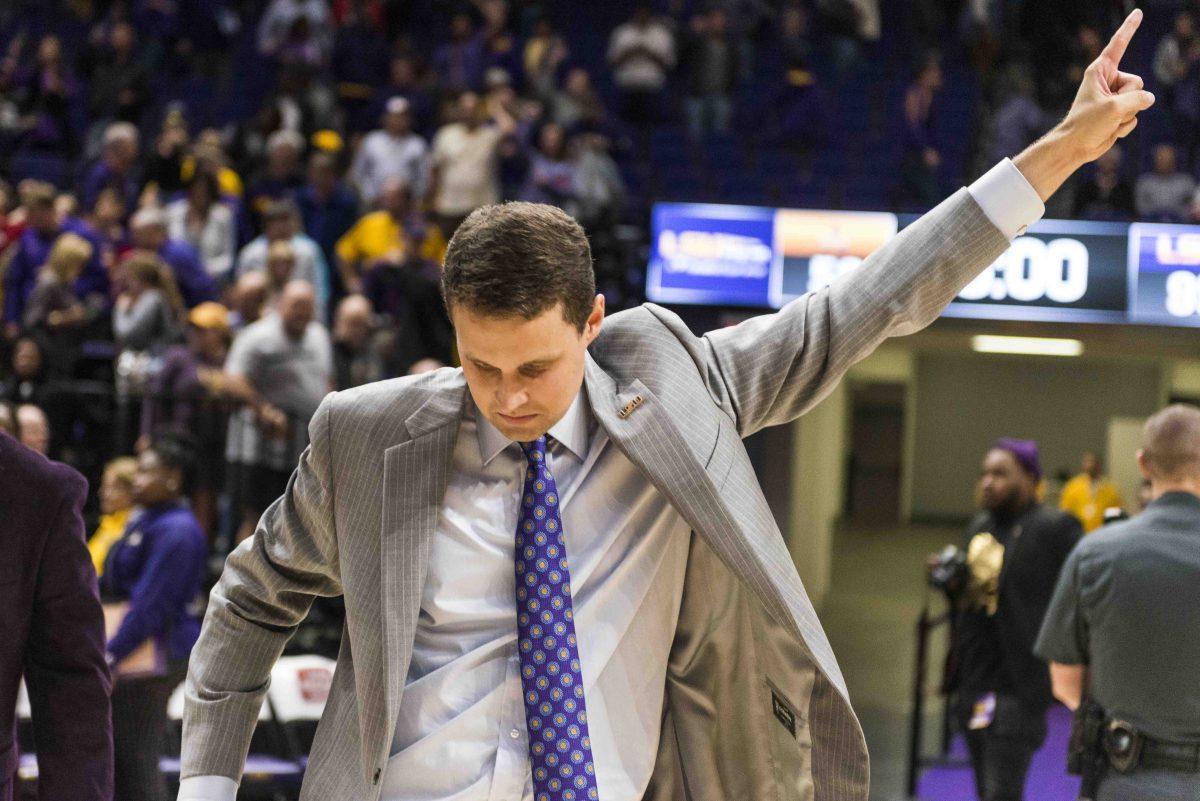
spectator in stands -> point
(46, 95)
(357, 359)
(577, 105)
(405, 79)
(286, 24)
(1174, 57)
(1090, 494)
(206, 224)
(392, 228)
(465, 172)
(146, 315)
(798, 115)
(710, 61)
(107, 220)
(116, 504)
(157, 570)
(642, 54)
(359, 64)
(281, 269)
(1019, 120)
(12, 217)
(795, 46)
(280, 178)
(281, 223)
(459, 62)
(552, 176)
(165, 161)
(1105, 194)
(600, 193)
(405, 291)
(1165, 194)
(922, 157)
(249, 300)
(8, 420)
(53, 305)
(120, 87)
(394, 152)
(29, 381)
(544, 53)
(279, 368)
(148, 230)
(183, 396)
(327, 206)
(34, 246)
(34, 426)
(118, 166)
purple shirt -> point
(158, 566)
(32, 250)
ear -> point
(1144, 465)
(595, 320)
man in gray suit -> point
(562, 581)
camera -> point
(947, 571)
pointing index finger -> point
(1115, 49)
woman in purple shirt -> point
(157, 567)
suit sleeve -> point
(65, 671)
(265, 591)
(773, 368)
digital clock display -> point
(1058, 271)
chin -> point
(521, 433)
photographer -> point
(1123, 625)
(1015, 547)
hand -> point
(932, 158)
(1108, 101)
(1105, 109)
(273, 420)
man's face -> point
(296, 311)
(27, 359)
(397, 123)
(43, 219)
(524, 374)
(1091, 465)
(115, 494)
(149, 237)
(153, 483)
(1003, 484)
(35, 429)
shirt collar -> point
(572, 430)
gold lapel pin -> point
(628, 408)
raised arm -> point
(264, 593)
(771, 369)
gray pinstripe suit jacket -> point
(359, 513)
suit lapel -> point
(644, 431)
(415, 475)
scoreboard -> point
(1058, 271)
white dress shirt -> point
(461, 732)
(383, 157)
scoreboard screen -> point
(1058, 271)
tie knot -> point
(535, 451)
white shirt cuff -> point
(1007, 199)
(208, 788)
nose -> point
(510, 398)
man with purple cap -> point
(1015, 549)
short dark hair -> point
(176, 450)
(520, 259)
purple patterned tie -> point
(560, 750)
